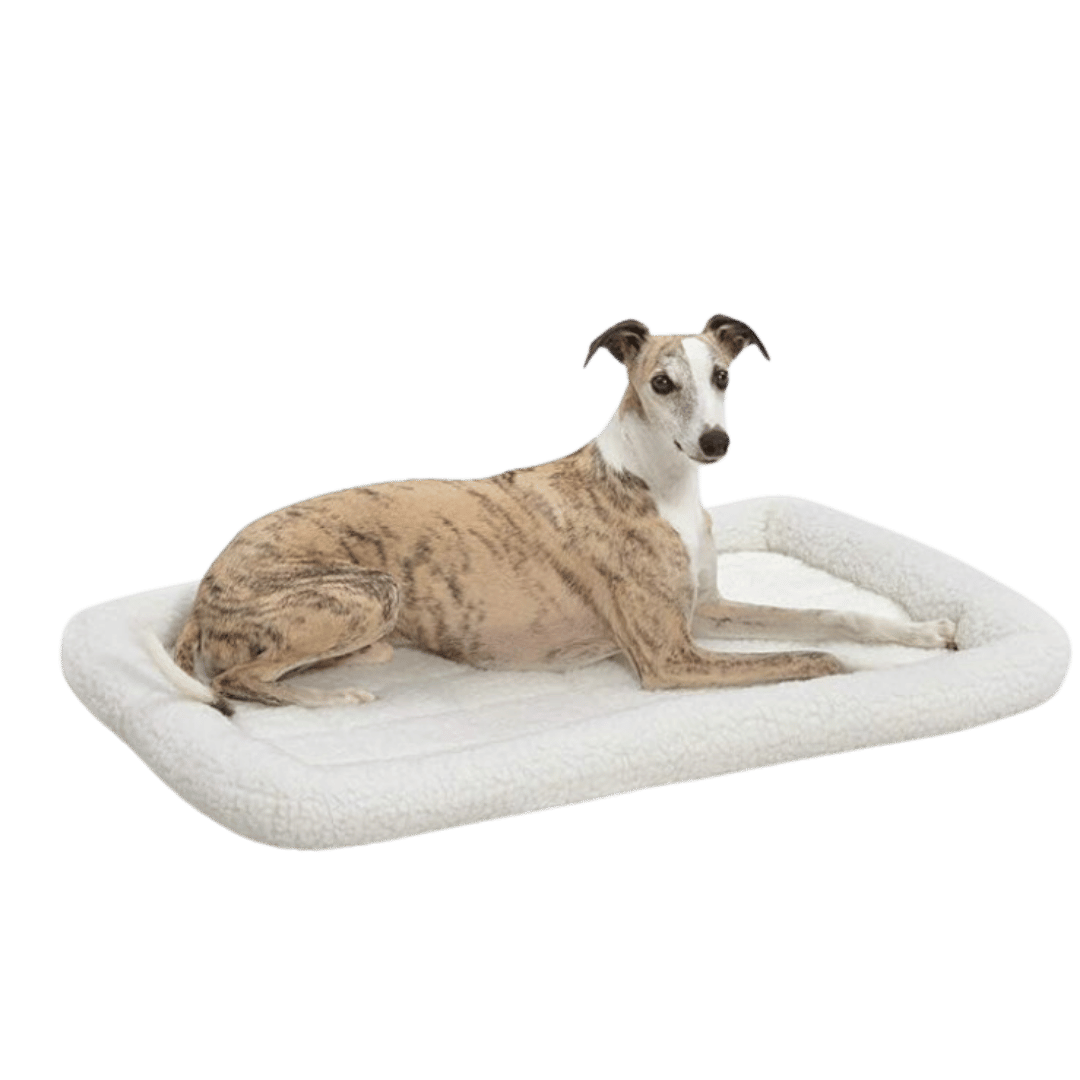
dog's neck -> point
(630, 444)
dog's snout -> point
(714, 443)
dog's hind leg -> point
(322, 616)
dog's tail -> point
(181, 671)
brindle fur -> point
(547, 567)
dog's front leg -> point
(730, 619)
(657, 642)
(695, 668)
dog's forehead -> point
(690, 352)
(700, 354)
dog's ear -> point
(733, 335)
(623, 340)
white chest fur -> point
(684, 513)
(673, 481)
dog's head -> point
(678, 383)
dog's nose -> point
(714, 442)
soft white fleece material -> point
(446, 744)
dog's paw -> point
(821, 664)
(357, 697)
(936, 634)
(339, 697)
(382, 652)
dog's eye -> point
(662, 384)
(720, 379)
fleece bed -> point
(445, 744)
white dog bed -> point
(446, 744)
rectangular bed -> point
(445, 744)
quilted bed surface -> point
(445, 744)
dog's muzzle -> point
(714, 443)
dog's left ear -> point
(733, 335)
(623, 340)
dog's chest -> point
(684, 513)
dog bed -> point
(445, 744)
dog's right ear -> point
(623, 340)
(732, 334)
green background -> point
(260, 251)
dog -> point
(606, 552)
